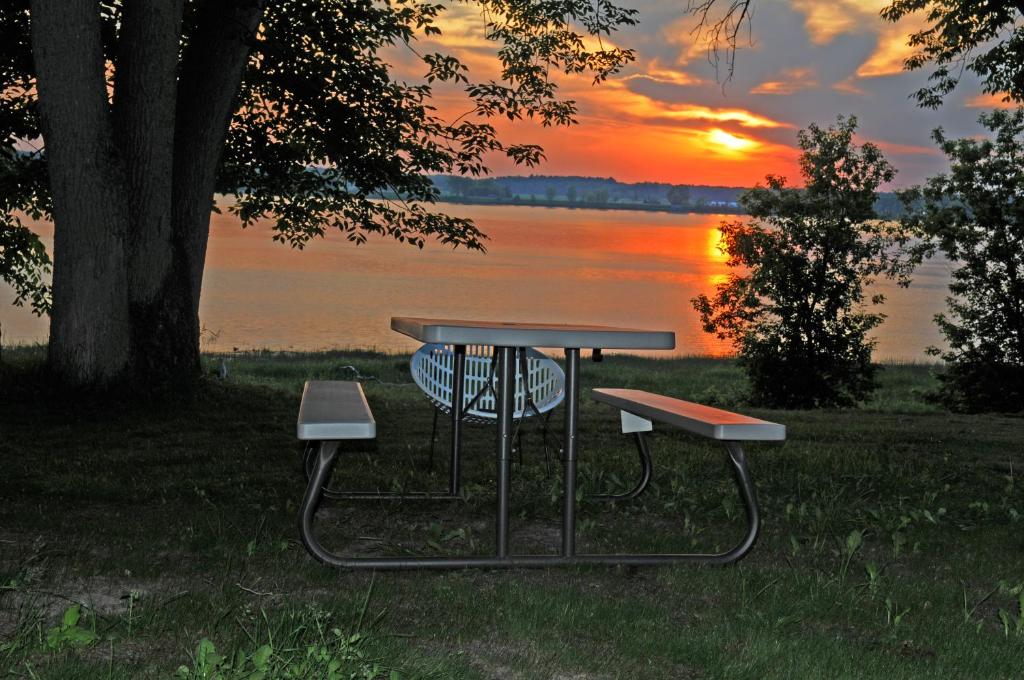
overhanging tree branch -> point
(721, 32)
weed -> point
(893, 614)
(70, 633)
(310, 648)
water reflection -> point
(555, 265)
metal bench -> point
(333, 411)
(638, 409)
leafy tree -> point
(570, 194)
(460, 186)
(679, 195)
(796, 315)
(24, 263)
(120, 121)
(985, 38)
(975, 217)
(550, 192)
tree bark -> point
(144, 107)
(211, 75)
(133, 183)
(89, 323)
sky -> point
(668, 118)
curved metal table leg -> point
(325, 460)
(310, 457)
(644, 454)
(749, 494)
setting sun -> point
(726, 141)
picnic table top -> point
(526, 334)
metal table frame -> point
(325, 457)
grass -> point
(892, 543)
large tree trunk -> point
(206, 103)
(89, 323)
(133, 185)
(144, 108)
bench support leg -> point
(458, 395)
(324, 461)
(749, 495)
(572, 418)
(312, 453)
(505, 399)
(644, 454)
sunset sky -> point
(665, 118)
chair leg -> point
(433, 440)
(644, 453)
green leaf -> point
(854, 541)
(205, 649)
(71, 616)
(261, 657)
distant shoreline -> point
(581, 205)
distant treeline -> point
(607, 193)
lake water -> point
(560, 265)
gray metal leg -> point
(749, 494)
(644, 454)
(572, 418)
(433, 439)
(458, 387)
(325, 458)
(310, 457)
(321, 459)
(505, 403)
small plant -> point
(1013, 622)
(893, 614)
(437, 536)
(69, 633)
(968, 612)
(130, 599)
(334, 657)
(854, 541)
(874, 577)
(899, 541)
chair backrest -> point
(433, 365)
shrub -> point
(975, 216)
(796, 316)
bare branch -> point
(721, 33)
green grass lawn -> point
(132, 532)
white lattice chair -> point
(544, 388)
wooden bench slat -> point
(334, 409)
(696, 418)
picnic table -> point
(638, 410)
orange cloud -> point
(990, 101)
(890, 52)
(825, 21)
(641, 107)
(692, 46)
(906, 149)
(849, 86)
(633, 151)
(790, 80)
(658, 73)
